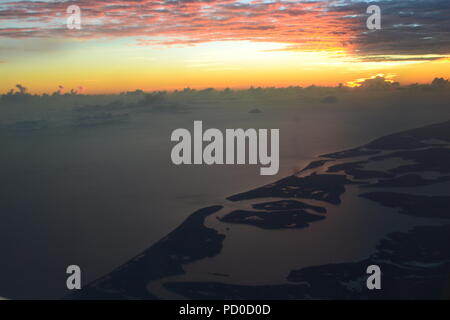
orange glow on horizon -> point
(219, 65)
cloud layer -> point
(409, 27)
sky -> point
(124, 45)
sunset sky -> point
(172, 44)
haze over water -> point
(98, 196)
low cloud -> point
(21, 89)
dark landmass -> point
(315, 164)
(189, 242)
(356, 152)
(413, 205)
(223, 291)
(326, 188)
(396, 141)
(218, 274)
(287, 205)
(438, 131)
(410, 139)
(413, 139)
(355, 169)
(432, 159)
(415, 265)
(272, 220)
(406, 181)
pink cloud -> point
(308, 24)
